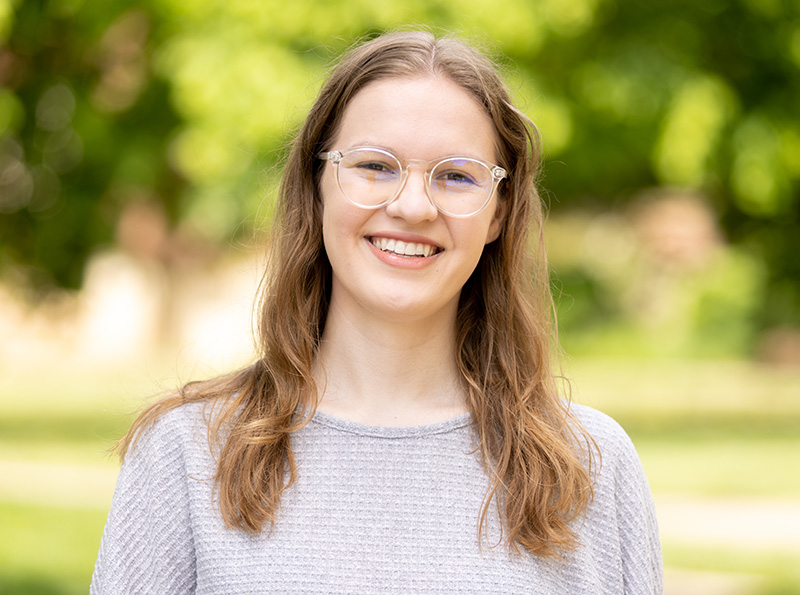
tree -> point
(187, 106)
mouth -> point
(407, 249)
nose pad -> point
(413, 202)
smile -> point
(400, 248)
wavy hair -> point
(536, 455)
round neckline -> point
(352, 427)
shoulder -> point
(621, 522)
(608, 435)
(171, 437)
(614, 461)
(187, 417)
(597, 423)
(147, 544)
(619, 478)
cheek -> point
(340, 218)
(328, 190)
(476, 236)
(330, 207)
(341, 226)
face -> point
(421, 119)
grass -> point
(703, 429)
(48, 550)
(28, 429)
(774, 572)
(729, 467)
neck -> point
(389, 373)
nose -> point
(413, 203)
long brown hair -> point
(536, 455)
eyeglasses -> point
(372, 178)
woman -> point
(401, 431)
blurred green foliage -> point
(187, 107)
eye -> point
(456, 177)
(374, 166)
(455, 180)
(376, 171)
(371, 166)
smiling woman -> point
(401, 431)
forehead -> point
(418, 117)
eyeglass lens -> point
(371, 178)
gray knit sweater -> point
(374, 510)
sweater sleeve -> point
(147, 545)
(636, 518)
(625, 540)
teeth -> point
(403, 248)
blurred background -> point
(140, 148)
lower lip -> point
(403, 262)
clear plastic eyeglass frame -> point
(496, 172)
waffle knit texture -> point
(374, 510)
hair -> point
(536, 455)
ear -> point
(496, 225)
